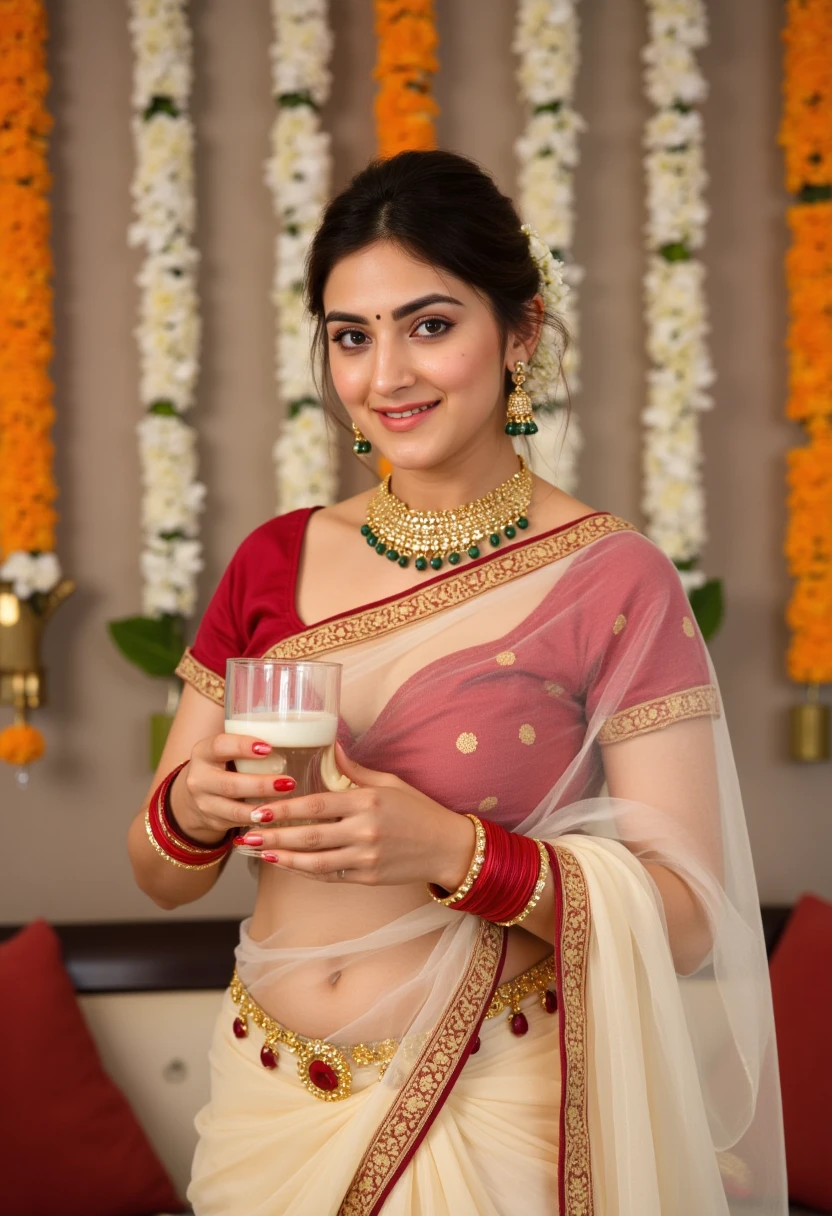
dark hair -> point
(447, 212)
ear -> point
(522, 344)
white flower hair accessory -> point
(544, 369)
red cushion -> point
(801, 982)
(71, 1145)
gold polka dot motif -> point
(687, 626)
(487, 804)
(467, 743)
(507, 658)
(527, 734)
(553, 689)
(620, 623)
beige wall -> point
(63, 851)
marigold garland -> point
(27, 486)
(406, 60)
(806, 137)
(21, 744)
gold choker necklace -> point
(398, 533)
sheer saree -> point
(497, 689)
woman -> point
(520, 669)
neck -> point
(462, 479)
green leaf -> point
(677, 251)
(291, 101)
(166, 408)
(154, 645)
(708, 607)
(161, 105)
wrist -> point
(455, 858)
(182, 819)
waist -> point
(324, 1067)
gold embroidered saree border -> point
(202, 678)
(572, 953)
(699, 702)
(454, 589)
(411, 1112)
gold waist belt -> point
(324, 1068)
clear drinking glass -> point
(294, 707)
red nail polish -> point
(239, 840)
(272, 857)
(284, 784)
(253, 838)
(263, 816)
(261, 749)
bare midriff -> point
(310, 913)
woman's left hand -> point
(384, 833)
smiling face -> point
(416, 356)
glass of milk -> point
(292, 706)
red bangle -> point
(170, 842)
(507, 884)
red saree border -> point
(454, 589)
(431, 1080)
(572, 933)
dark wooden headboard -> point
(171, 955)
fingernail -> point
(272, 857)
(284, 784)
(252, 838)
(262, 816)
(261, 749)
(238, 840)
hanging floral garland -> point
(298, 174)
(168, 334)
(806, 136)
(547, 40)
(681, 374)
(405, 62)
(30, 575)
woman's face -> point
(406, 336)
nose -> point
(392, 369)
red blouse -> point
(450, 729)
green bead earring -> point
(361, 446)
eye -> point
(357, 338)
(433, 326)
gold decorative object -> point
(810, 731)
(22, 680)
(21, 627)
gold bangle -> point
(542, 875)
(181, 865)
(473, 870)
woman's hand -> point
(385, 832)
(207, 796)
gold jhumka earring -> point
(361, 446)
(519, 405)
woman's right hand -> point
(207, 795)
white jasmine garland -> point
(30, 572)
(680, 373)
(298, 174)
(546, 39)
(168, 332)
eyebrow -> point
(404, 310)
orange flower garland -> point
(27, 487)
(806, 136)
(405, 62)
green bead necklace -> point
(433, 537)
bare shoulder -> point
(554, 508)
(330, 525)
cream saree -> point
(497, 689)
